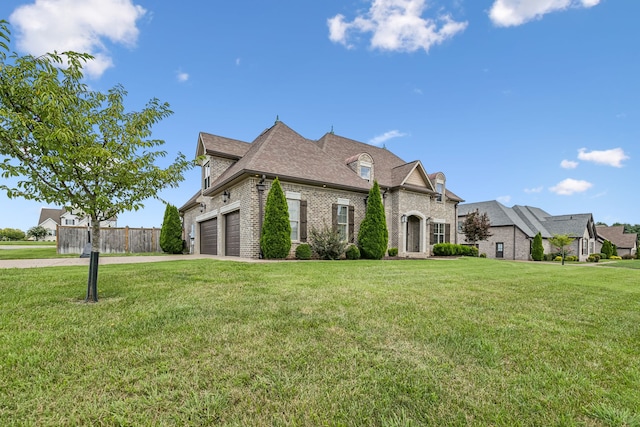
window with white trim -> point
(439, 190)
(438, 232)
(69, 221)
(343, 222)
(206, 173)
(365, 171)
(294, 218)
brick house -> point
(513, 230)
(626, 243)
(326, 183)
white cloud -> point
(534, 190)
(570, 186)
(507, 13)
(378, 140)
(182, 76)
(613, 157)
(396, 25)
(504, 199)
(569, 164)
(77, 25)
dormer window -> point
(439, 190)
(365, 171)
(439, 186)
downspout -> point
(514, 242)
(260, 186)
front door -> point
(499, 250)
(413, 234)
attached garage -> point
(232, 234)
(209, 237)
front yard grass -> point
(386, 343)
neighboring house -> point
(52, 218)
(326, 183)
(513, 230)
(626, 243)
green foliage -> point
(537, 250)
(275, 239)
(483, 255)
(607, 249)
(373, 236)
(393, 252)
(303, 251)
(69, 145)
(352, 252)
(327, 243)
(476, 227)
(616, 257)
(558, 258)
(593, 258)
(638, 250)
(452, 249)
(561, 241)
(171, 232)
(38, 232)
(13, 234)
(614, 251)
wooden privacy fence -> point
(113, 240)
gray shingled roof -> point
(531, 220)
(617, 236)
(221, 146)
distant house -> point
(626, 243)
(51, 218)
(513, 230)
(326, 183)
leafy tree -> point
(171, 232)
(12, 234)
(275, 238)
(561, 241)
(72, 146)
(373, 237)
(476, 227)
(537, 250)
(38, 232)
(614, 250)
(607, 249)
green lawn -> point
(26, 243)
(348, 343)
(32, 253)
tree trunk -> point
(92, 282)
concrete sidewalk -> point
(104, 260)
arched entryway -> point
(414, 233)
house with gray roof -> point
(514, 228)
(626, 243)
(51, 218)
(326, 183)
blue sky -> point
(530, 102)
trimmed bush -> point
(373, 237)
(593, 258)
(326, 243)
(483, 255)
(628, 256)
(393, 251)
(451, 249)
(571, 258)
(352, 252)
(558, 258)
(171, 232)
(537, 250)
(303, 251)
(275, 237)
(615, 257)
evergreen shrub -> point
(171, 231)
(326, 243)
(537, 250)
(275, 237)
(373, 237)
(393, 251)
(303, 251)
(352, 252)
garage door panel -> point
(209, 237)
(232, 234)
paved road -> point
(63, 262)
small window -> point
(343, 221)
(460, 226)
(206, 171)
(438, 232)
(365, 172)
(69, 222)
(294, 218)
(439, 190)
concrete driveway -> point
(104, 260)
